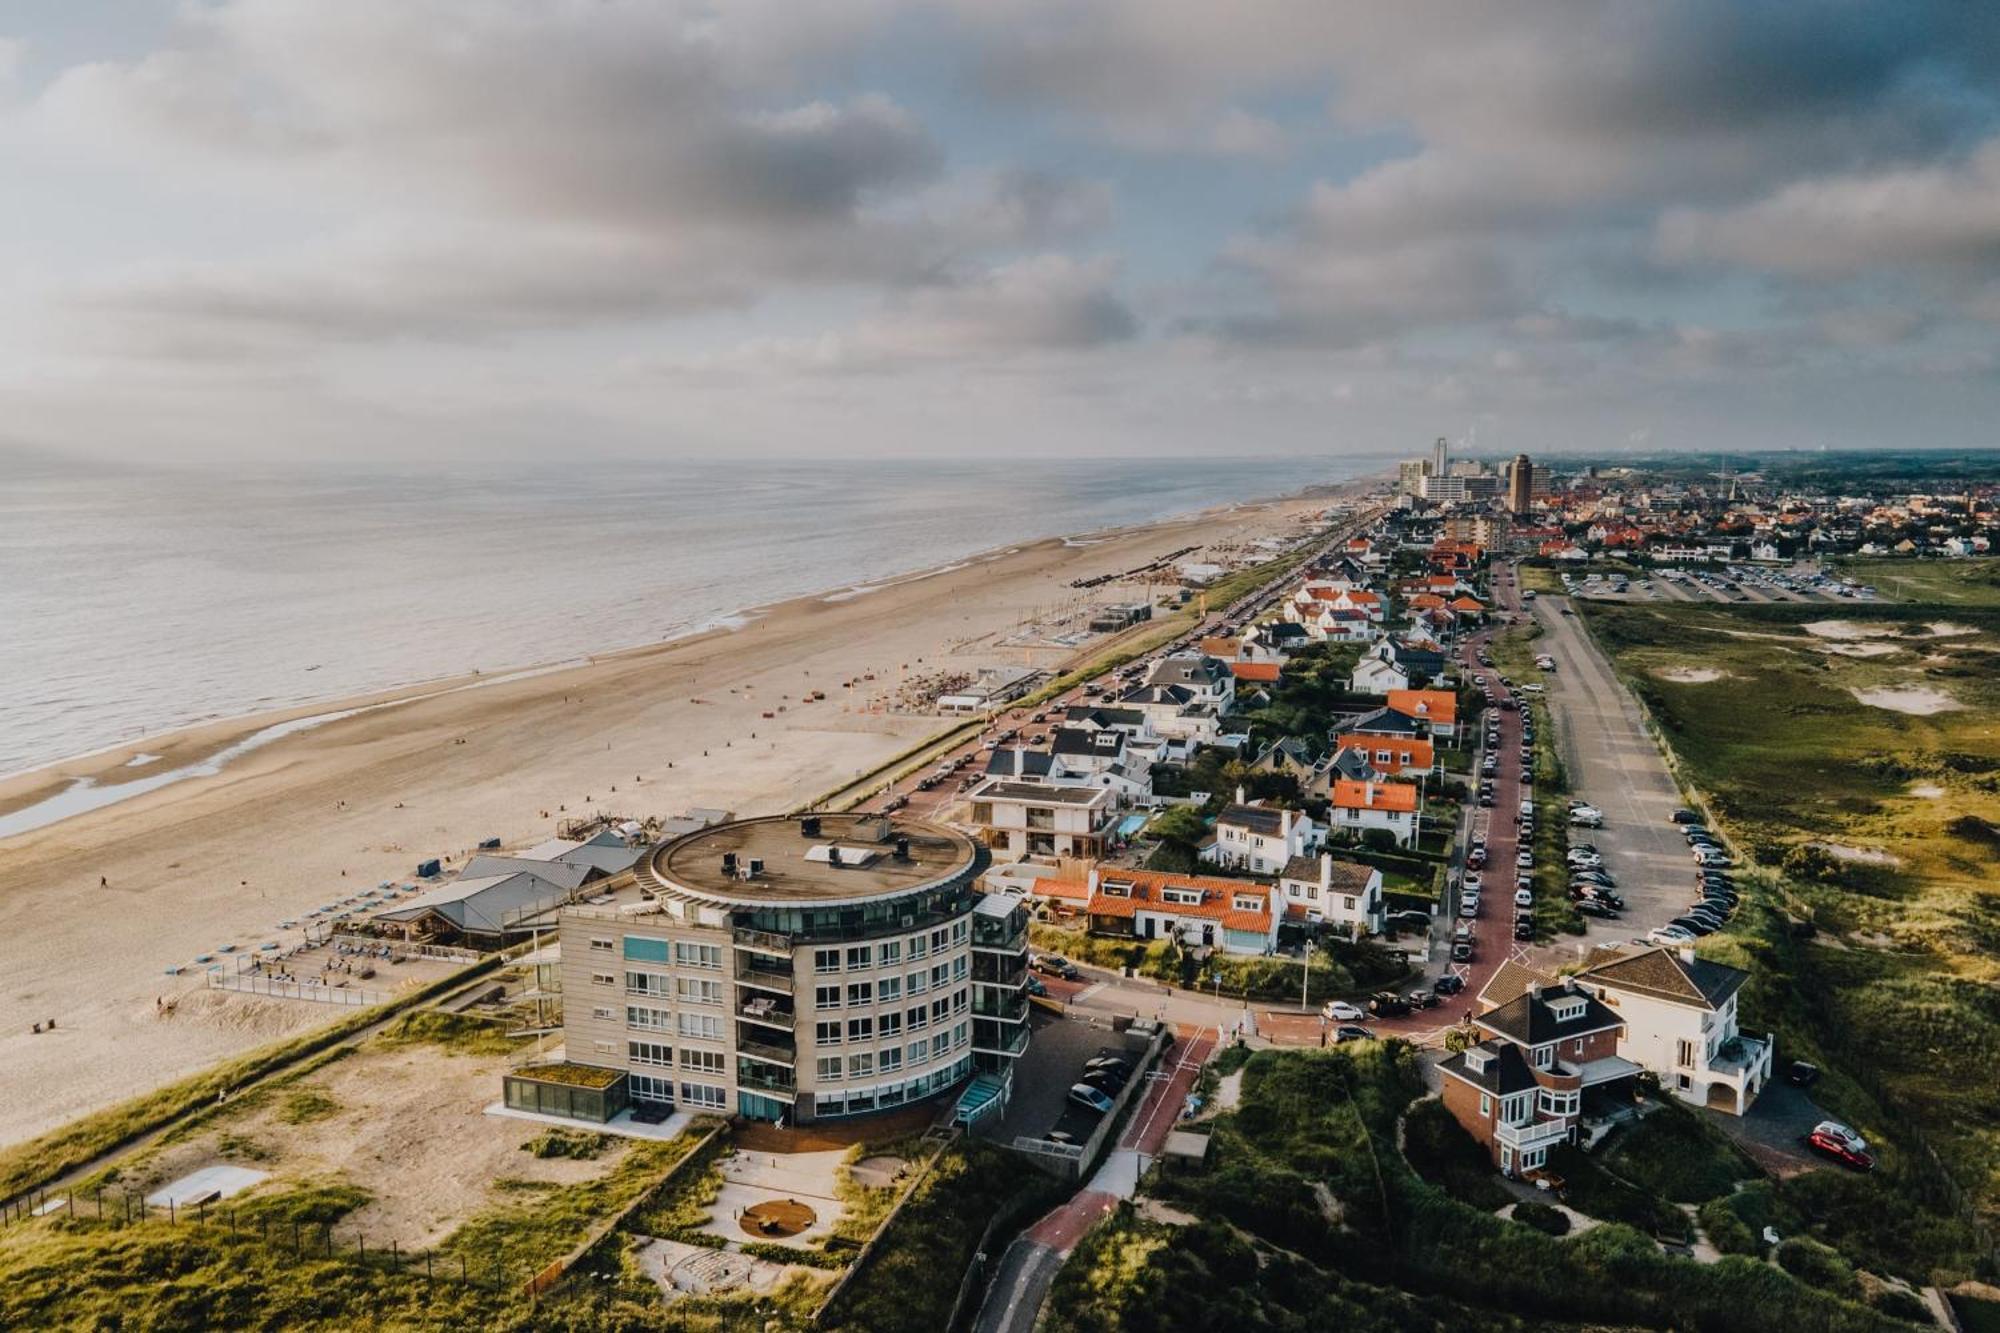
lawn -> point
(1674, 1154)
(1973, 582)
(1872, 925)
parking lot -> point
(1615, 765)
(1043, 1076)
(1732, 584)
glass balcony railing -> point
(766, 978)
(765, 1050)
(763, 1009)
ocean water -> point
(133, 603)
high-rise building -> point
(798, 968)
(1440, 458)
(1520, 484)
(1410, 474)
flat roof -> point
(999, 789)
(851, 858)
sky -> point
(277, 231)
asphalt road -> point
(1614, 764)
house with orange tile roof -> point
(1358, 806)
(1393, 756)
(1437, 707)
(1256, 673)
(1237, 916)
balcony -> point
(759, 1078)
(768, 1051)
(766, 978)
(994, 1039)
(1009, 971)
(1003, 1007)
(763, 1009)
(763, 941)
(1533, 1134)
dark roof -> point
(1346, 876)
(1665, 975)
(1257, 818)
(1425, 660)
(1529, 1019)
(1011, 762)
(1082, 740)
(1104, 717)
(1506, 1069)
(1157, 694)
(1280, 631)
(1379, 722)
(1198, 669)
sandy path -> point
(318, 815)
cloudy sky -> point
(279, 229)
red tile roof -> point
(1439, 707)
(1256, 671)
(1217, 903)
(1397, 797)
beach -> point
(96, 907)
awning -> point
(1604, 1071)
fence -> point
(866, 1255)
(252, 984)
(556, 1271)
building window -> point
(958, 931)
(603, 979)
(1485, 1106)
(919, 983)
(641, 950)
(940, 1044)
(940, 1008)
(604, 1047)
(861, 992)
(702, 1094)
(917, 1018)
(889, 988)
(959, 999)
(826, 960)
(702, 1062)
(891, 1025)
(648, 1088)
(918, 1050)
(892, 953)
(652, 1020)
(602, 945)
(654, 984)
(940, 941)
(602, 1011)
(860, 1029)
(708, 1027)
(892, 1059)
(860, 956)
(918, 947)
(828, 1033)
(1349, 903)
(829, 1068)
(958, 967)
(649, 1053)
(697, 955)
(826, 997)
(941, 974)
(860, 1066)
(699, 990)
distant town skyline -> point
(278, 230)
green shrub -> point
(304, 1105)
(1673, 1154)
(1727, 1232)
(1899, 1303)
(1444, 1154)
(1594, 1191)
(1816, 1265)
(1542, 1217)
(576, 1143)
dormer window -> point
(1567, 1009)
(1246, 904)
(1117, 888)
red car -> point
(1836, 1142)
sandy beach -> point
(315, 816)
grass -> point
(1676, 1156)
(302, 1106)
(1973, 582)
(911, 1281)
(1886, 971)
(238, 1269)
(467, 1034)
(1257, 978)
(84, 1140)
(580, 1145)
(1315, 1126)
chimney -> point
(1326, 872)
(1240, 795)
(1093, 882)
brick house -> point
(1519, 1092)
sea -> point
(135, 602)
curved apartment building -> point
(796, 967)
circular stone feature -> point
(776, 1218)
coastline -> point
(61, 789)
(98, 906)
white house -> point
(1361, 806)
(1680, 1022)
(1258, 838)
(1391, 665)
(1235, 916)
(1034, 819)
(1345, 894)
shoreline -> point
(76, 785)
(105, 909)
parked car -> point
(1592, 907)
(1034, 986)
(1421, 999)
(1669, 935)
(1525, 859)
(1351, 1032)
(1685, 817)
(1117, 1062)
(1692, 926)
(1089, 1098)
(1461, 953)
(1340, 1011)
(1056, 965)
(1387, 1004)
(1802, 1073)
(1524, 928)
(1836, 1142)
(1587, 817)
(1106, 1081)
(1468, 904)
(1524, 898)
(1451, 984)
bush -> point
(1378, 840)
(1444, 1154)
(1816, 1265)
(1727, 1232)
(1901, 1304)
(1673, 1154)
(579, 1144)
(1542, 1217)
(1598, 1193)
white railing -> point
(250, 983)
(1532, 1135)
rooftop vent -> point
(809, 826)
(729, 864)
(902, 849)
(756, 868)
